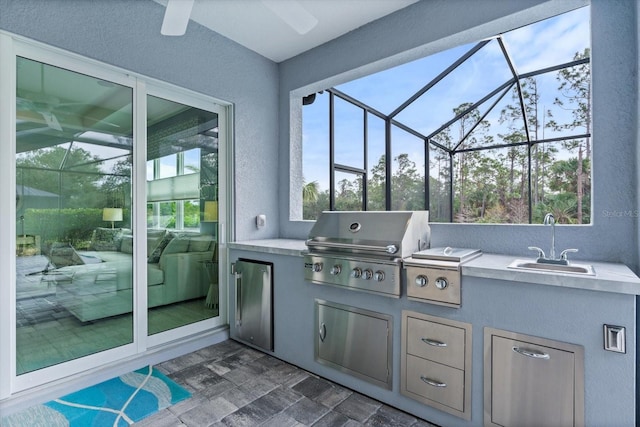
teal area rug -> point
(117, 402)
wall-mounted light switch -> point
(614, 338)
(261, 221)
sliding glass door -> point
(119, 199)
(182, 214)
(74, 280)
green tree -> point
(407, 185)
(73, 174)
(575, 91)
(376, 189)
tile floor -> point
(234, 385)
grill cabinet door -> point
(354, 341)
(534, 383)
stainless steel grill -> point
(364, 250)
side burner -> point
(434, 275)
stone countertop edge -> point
(609, 277)
(292, 247)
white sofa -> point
(103, 285)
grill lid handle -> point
(389, 249)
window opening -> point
(518, 145)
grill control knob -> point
(421, 281)
(441, 283)
(317, 267)
(378, 276)
(391, 249)
(336, 269)
(356, 273)
(367, 274)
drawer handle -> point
(531, 353)
(434, 383)
(322, 332)
(433, 342)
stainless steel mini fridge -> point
(253, 303)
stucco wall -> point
(428, 27)
(126, 34)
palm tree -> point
(310, 192)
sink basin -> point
(581, 269)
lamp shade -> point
(210, 211)
(112, 214)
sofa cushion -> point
(179, 244)
(200, 243)
(106, 239)
(176, 245)
(126, 245)
(155, 275)
(154, 256)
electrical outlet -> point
(261, 221)
(614, 338)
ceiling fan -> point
(42, 105)
(178, 12)
(36, 102)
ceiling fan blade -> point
(51, 120)
(176, 17)
(293, 14)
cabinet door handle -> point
(322, 332)
(531, 353)
(433, 342)
(433, 383)
(238, 299)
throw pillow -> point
(154, 256)
(106, 239)
(153, 237)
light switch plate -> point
(261, 220)
(614, 338)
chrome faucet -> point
(549, 219)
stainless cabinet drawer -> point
(434, 381)
(435, 341)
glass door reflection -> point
(74, 258)
(182, 214)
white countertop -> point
(291, 247)
(609, 277)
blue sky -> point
(550, 42)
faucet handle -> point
(563, 254)
(540, 251)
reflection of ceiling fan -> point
(176, 16)
(50, 108)
(42, 105)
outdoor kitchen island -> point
(565, 313)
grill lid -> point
(377, 233)
(447, 254)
